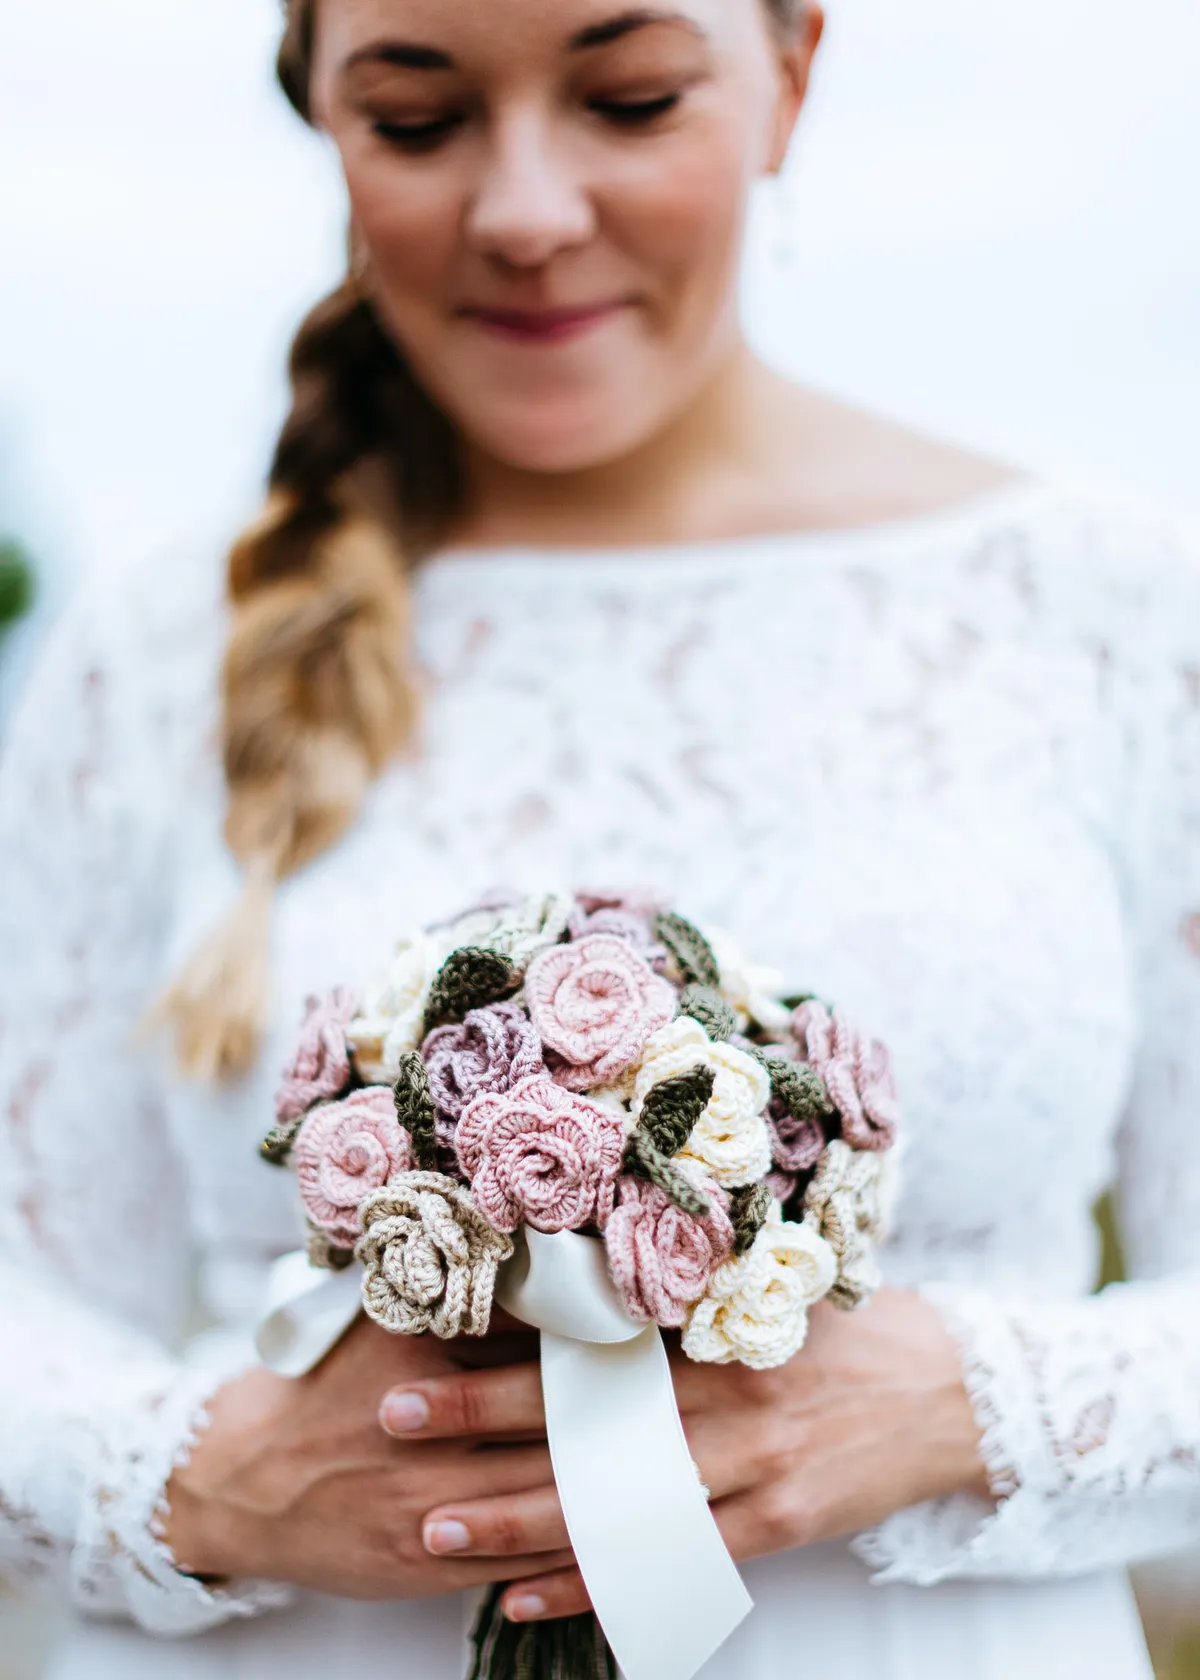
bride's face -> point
(551, 194)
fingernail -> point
(446, 1537)
(527, 1608)
(400, 1414)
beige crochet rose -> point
(516, 930)
(430, 1257)
(756, 1308)
(730, 1139)
(849, 1203)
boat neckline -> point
(1000, 499)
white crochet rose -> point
(850, 1203)
(730, 1139)
(756, 1308)
(751, 990)
(391, 1019)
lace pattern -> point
(948, 771)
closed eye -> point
(420, 136)
(635, 111)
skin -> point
(499, 169)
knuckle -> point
(404, 1544)
(781, 1518)
(508, 1534)
(469, 1408)
(776, 1449)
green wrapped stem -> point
(571, 1648)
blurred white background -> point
(991, 227)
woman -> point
(924, 732)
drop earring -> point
(783, 217)
(358, 266)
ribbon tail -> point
(664, 1587)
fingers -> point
(506, 1401)
(560, 1592)
(527, 1517)
(457, 1478)
(505, 1527)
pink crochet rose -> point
(541, 1155)
(660, 1257)
(595, 1003)
(857, 1072)
(320, 1066)
(346, 1150)
(492, 1050)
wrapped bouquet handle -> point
(620, 1457)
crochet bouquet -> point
(593, 1064)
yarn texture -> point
(756, 1307)
(594, 1003)
(541, 1155)
(430, 1259)
(320, 1067)
(730, 1138)
(850, 1203)
(470, 978)
(415, 1111)
(393, 1017)
(492, 1049)
(662, 1258)
(344, 1151)
(857, 1072)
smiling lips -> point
(541, 326)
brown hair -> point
(317, 682)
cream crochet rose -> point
(730, 1139)
(849, 1203)
(391, 1019)
(756, 1307)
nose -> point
(529, 203)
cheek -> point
(681, 215)
(412, 228)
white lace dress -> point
(946, 771)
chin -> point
(551, 437)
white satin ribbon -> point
(663, 1585)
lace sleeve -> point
(1090, 1409)
(93, 1221)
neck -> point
(674, 487)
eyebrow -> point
(416, 55)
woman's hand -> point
(872, 1416)
(296, 1480)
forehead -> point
(513, 30)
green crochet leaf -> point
(470, 978)
(748, 1208)
(571, 1648)
(692, 953)
(415, 1110)
(276, 1147)
(798, 1087)
(673, 1106)
(706, 1005)
(642, 1158)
